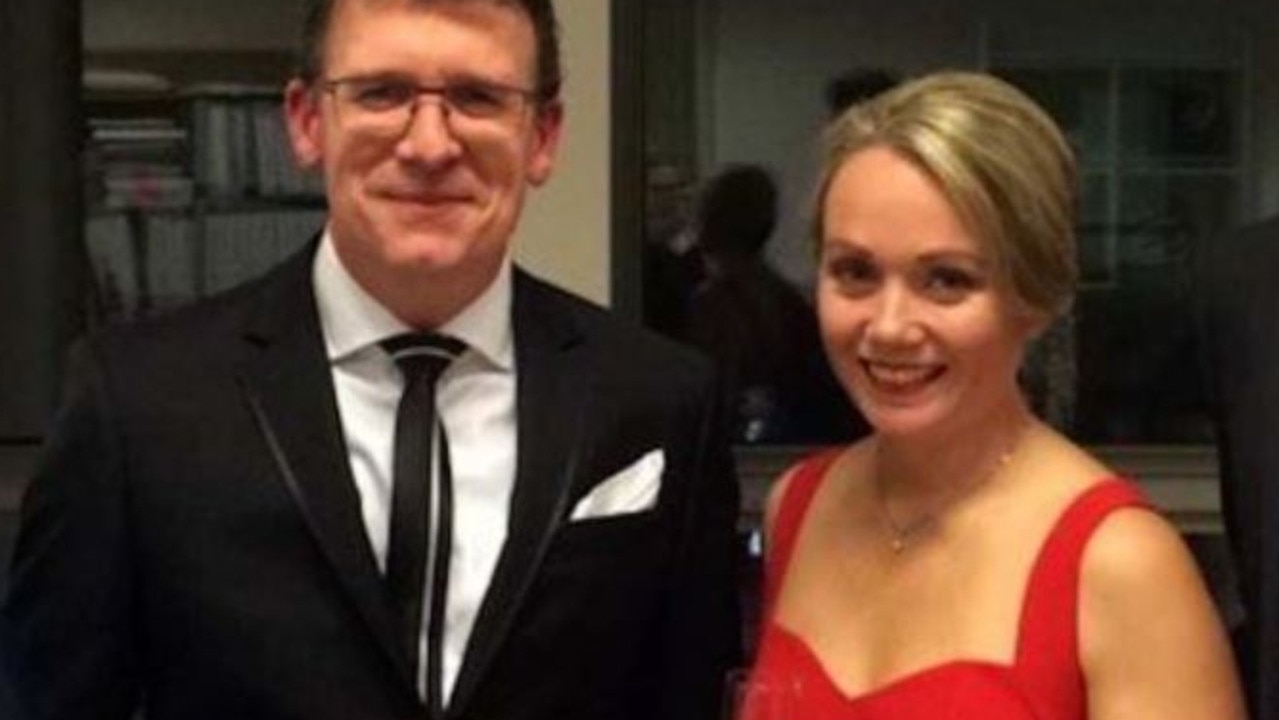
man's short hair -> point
(315, 26)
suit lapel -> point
(289, 389)
(553, 397)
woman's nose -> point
(894, 317)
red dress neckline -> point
(1044, 673)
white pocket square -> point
(633, 489)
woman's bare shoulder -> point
(1151, 640)
(1063, 468)
(846, 458)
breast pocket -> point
(603, 539)
(604, 575)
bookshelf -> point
(189, 182)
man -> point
(758, 326)
(1240, 330)
(213, 530)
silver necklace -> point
(899, 536)
(902, 535)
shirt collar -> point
(352, 320)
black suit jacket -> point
(1240, 329)
(193, 543)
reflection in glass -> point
(1169, 124)
(1179, 116)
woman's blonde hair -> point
(996, 155)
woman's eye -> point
(853, 275)
(950, 284)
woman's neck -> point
(934, 465)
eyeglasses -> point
(387, 105)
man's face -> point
(424, 197)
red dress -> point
(1044, 682)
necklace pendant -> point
(898, 544)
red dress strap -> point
(803, 484)
(1048, 637)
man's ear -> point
(305, 123)
(548, 128)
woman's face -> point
(916, 323)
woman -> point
(966, 561)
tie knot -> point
(423, 354)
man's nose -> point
(428, 135)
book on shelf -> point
(137, 163)
(278, 175)
(109, 241)
(243, 244)
(191, 191)
(220, 147)
(136, 130)
(172, 259)
(145, 188)
(119, 81)
(146, 262)
(241, 149)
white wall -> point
(565, 235)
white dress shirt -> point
(476, 399)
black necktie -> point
(422, 358)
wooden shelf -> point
(187, 67)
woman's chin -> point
(904, 419)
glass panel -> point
(1153, 107)
(1078, 99)
(1096, 234)
(1141, 381)
(1180, 116)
